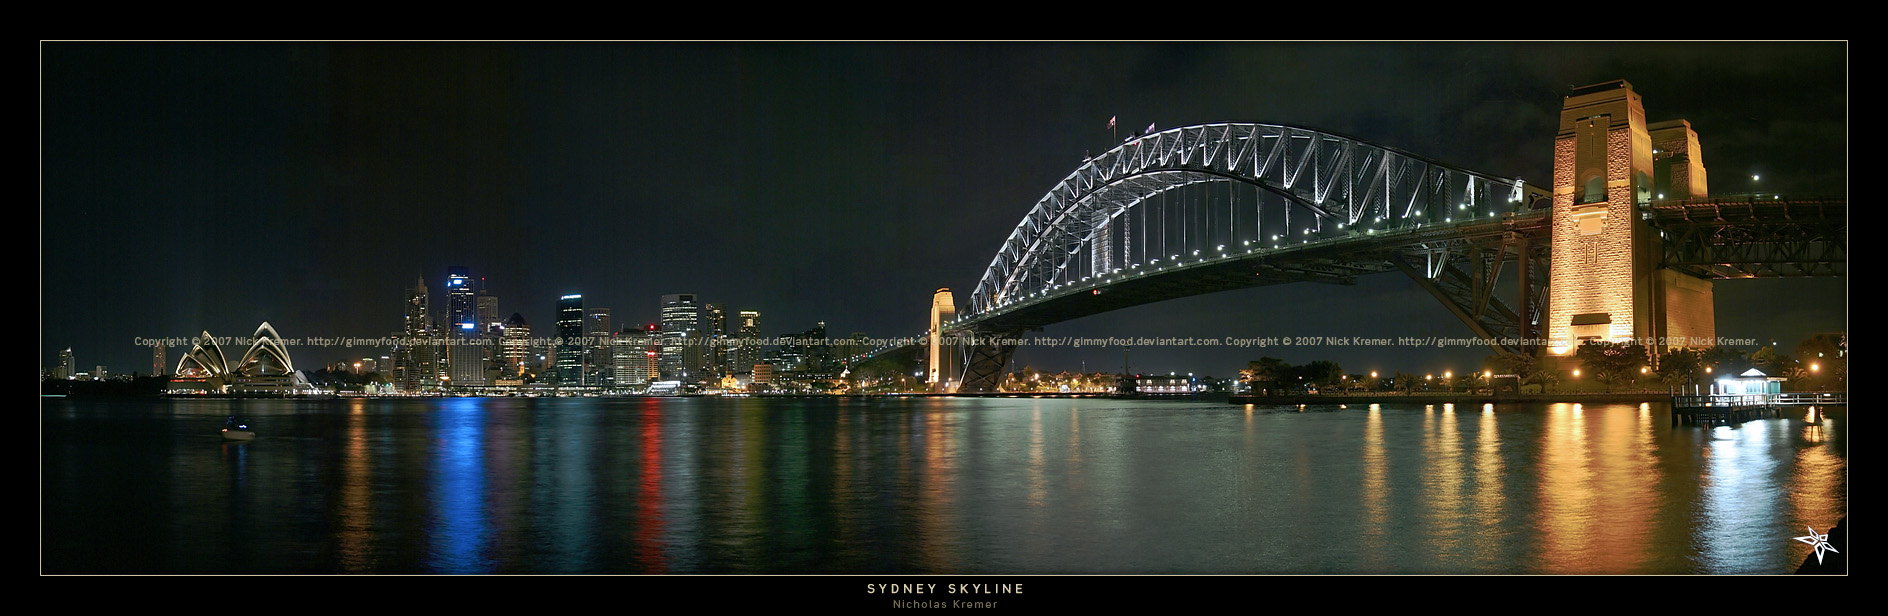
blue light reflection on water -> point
(462, 530)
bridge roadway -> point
(1333, 260)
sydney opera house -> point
(264, 369)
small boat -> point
(237, 430)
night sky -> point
(194, 186)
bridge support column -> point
(940, 371)
(1606, 284)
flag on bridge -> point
(1150, 128)
(1111, 121)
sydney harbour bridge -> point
(1625, 242)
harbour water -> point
(926, 485)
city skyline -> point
(837, 183)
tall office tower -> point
(68, 366)
(417, 319)
(490, 330)
(157, 359)
(467, 353)
(514, 346)
(819, 351)
(681, 337)
(652, 351)
(636, 351)
(488, 310)
(415, 360)
(597, 335)
(716, 337)
(464, 349)
(461, 301)
(747, 349)
(570, 341)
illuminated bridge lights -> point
(1083, 225)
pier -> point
(1733, 408)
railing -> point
(1720, 401)
(1805, 398)
(1749, 400)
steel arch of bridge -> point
(1083, 230)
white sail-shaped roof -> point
(266, 356)
(205, 359)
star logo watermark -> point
(1820, 542)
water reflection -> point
(356, 510)
(933, 486)
(458, 494)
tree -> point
(1547, 379)
(1268, 373)
(1680, 369)
(1405, 382)
(1612, 363)
(1523, 367)
(1324, 374)
(1827, 357)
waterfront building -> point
(265, 368)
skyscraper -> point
(466, 350)
(515, 346)
(461, 301)
(68, 366)
(570, 341)
(488, 310)
(417, 320)
(716, 337)
(681, 337)
(415, 358)
(747, 349)
(157, 359)
(636, 353)
(597, 335)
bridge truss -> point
(1195, 194)
(1214, 207)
